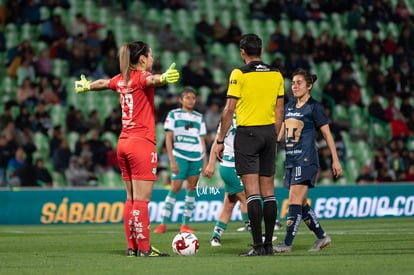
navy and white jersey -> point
(301, 125)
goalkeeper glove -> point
(170, 76)
(82, 85)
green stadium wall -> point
(78, 206)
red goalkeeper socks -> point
(141, 223)
(129, 226)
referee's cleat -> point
(131, 252)
(321, 243)
(215, 241)
(282, 248)
(153, 252)
(268, 249)
(254, 251)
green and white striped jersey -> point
(228, 153)
(187, 129)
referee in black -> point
(255, 93)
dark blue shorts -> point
(305, 175)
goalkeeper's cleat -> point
(282, 248)
(153, 252)
(278, 225)
(186, 228)
(321, 243)
(131, 252)
(215, 241)
(160, 229)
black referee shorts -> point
(255, 150)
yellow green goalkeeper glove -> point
(82, 85)
(170, 76)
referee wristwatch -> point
(219, 142)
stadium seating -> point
(42, 145)
(112, 137)
(111, 179)
(146, 29)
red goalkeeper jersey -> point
(137, 103)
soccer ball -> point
(185, 244)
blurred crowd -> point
(384, 57)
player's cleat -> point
(153, 252)
(321, 243)
(254, 251)
(282, 248)
(160, 229)
(244, 228)
(215, 241)
(186, 228)
(274, 238)
(131, 252)
(278, 225)
(241, 229)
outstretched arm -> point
(170, 76)
(99, 84)
(84, 85)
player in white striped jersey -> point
(234, 190)
(186, 149)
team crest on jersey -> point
(154, 170)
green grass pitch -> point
(365, 246)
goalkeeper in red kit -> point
(136, 152)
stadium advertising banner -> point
(79, 206)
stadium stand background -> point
(358, 134)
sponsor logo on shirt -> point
(186, 139)
(261, 68)
(290, 114)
